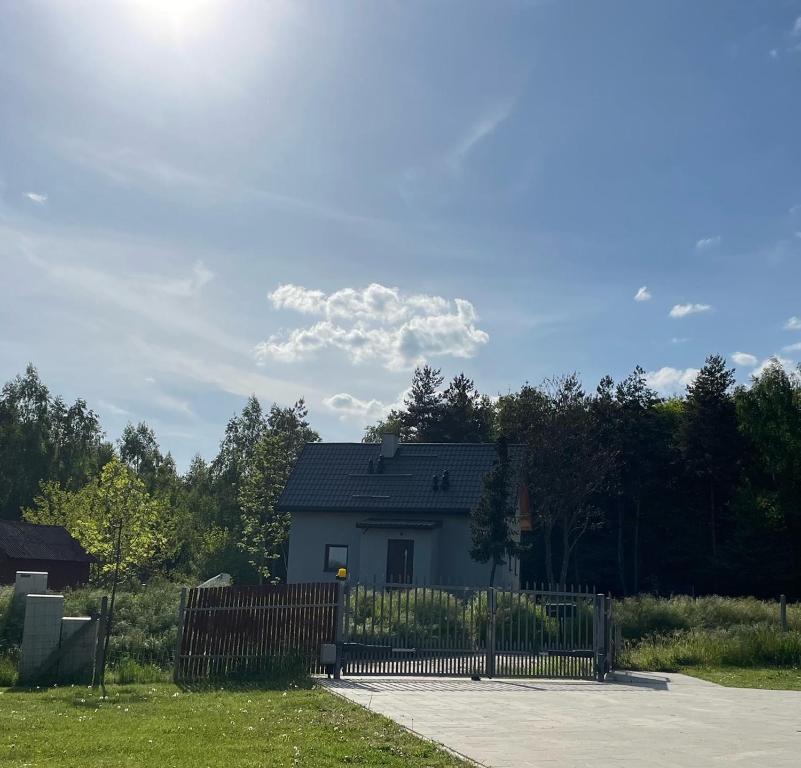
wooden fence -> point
(233, 631)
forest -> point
(630, 492)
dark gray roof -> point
(335, 477)
(26, 541)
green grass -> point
(761, 645)
(754, 677)
(645, 615)
(147, 725)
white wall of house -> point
(441, 555)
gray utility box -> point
(328, 654)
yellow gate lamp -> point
(342, 574)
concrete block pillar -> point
(41, 633)
(30, 583)
(78, 641)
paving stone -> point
(638, 720)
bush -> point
(145, 623)
(643, 616)
(144, 631)
(762, 645)
(412, 617)
(8, 667)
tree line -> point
(634, 492)
(628, 490)
(57, 467)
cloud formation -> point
(671, 381)
(374, 323)
(784, 362)
(793, 324)
(484, 127)
(346, 406)
(643, 294)
(744, 359)
(707, 243)
(186, 286)
(682, 310)
(36, 197)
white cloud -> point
(114, 409)
(707, 243)
(643, 294)
(792, 347)
(744, 359)
(797, 26)
(793, 324)
(679, 340)
(347, 406)
(129, 168)
(374, 323)
(671, 381)
(36, 197)
(477, 132)
(350, 407)
(186, 286)
(773, 53)
(682, 310)
(784, 362)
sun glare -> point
(175, 21)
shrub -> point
(743, 646)
(645, 615)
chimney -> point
(389, 445)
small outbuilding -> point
(30, 547)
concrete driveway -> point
(637, 721)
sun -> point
(175, 21)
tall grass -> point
(645, 615)
(745, 646)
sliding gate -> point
(478, 632)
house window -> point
(336, 557)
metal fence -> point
(395, 629)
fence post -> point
(599, 636)
(783, 612)
(100, 648)
(609, 639)
(339, 627)
(176, 672)
(490, 671)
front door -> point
(400, 561)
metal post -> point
(599, 636)
(783, 612)
(609, 638)
(176, 672)
(339, 627)
(490, 671)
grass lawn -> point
(750, 677)
(162, 725)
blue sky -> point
(308, 199)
